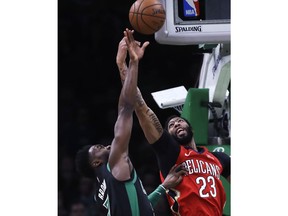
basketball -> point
(147, 16)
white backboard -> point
(170, 97)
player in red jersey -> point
(201, 192)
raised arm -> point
(121, 59)
(122, 54)
(119, 161)
(148, 120)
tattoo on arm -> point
(155, 121)
(139, 99)
(123, 70)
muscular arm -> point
(119, 161)
(148, 120)
(165, 147)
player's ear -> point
(96, 163)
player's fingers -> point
(131, 37)
(179, 179)
(179, 168)
(173, 169)
(181, 173)
(145, 45)
(127, 34)
(122, 43)
(127, 41)
(138, 42)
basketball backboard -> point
(171, 98)
(195, 22)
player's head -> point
(90, 157)
(180, 129)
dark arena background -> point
(89, 86)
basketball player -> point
(201, 192)
(118, 187)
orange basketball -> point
(147, 16)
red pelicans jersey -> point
(202, 192)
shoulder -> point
(165, 137)
(225, 161)
(221, 156)
(166, 143)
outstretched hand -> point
(122, 48)
(122, 53)
(174, 176)
(131, 44)
(141, 49)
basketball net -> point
(179, 108)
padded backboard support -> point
(197, 114)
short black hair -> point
(175, 116)
(83, 166)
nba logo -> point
(191, 8)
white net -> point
(179, 108)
